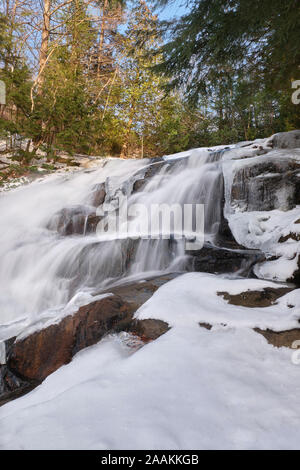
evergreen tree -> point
(253, 42)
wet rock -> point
(78, 220)
(280, 338)
(224, 236)
(11, 386)
(30, 360)
(149, 329)
(98, 195)
(286, 140)
(254, 299)
(271, 184)
(296, 274)
(40, 354)
(138, 292)
(218, 260)
(91, 223)
(150, 172)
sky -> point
(176, 8)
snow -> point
(278, 270)
(199, 150)
(263, 229)
(196, 293)
(226, 388)
(191, 389)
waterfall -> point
(45, 271)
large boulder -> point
(77, 220)
(40, 354)
(150, 172)
(269, 184)
(285, 140)
(29, 361)
(98, 195)
(218, 260)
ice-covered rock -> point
(286, 140)
(262, 204)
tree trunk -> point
(44, 44)
(101, 39)
(124, 151)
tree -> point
(140, 90)
(217, 38)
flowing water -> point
(44, 274)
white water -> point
(44, 275)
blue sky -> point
(176, 8)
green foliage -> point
(241, 56)
(228, 66)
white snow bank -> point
(191, 389)
(263, 229)
(192, 298)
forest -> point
(150, 242)
(111, 78)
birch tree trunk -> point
(44, 44)
(101, 39)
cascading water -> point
(45, 273)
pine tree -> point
(140, 89)
(257, 39)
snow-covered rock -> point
(286, 140)
(262, 206)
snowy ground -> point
(190, 389)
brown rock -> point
(252, 299)
(91, 223)
(149, 329)
(280, 338)
(207, 326)
(40, 354)
(290, 236)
